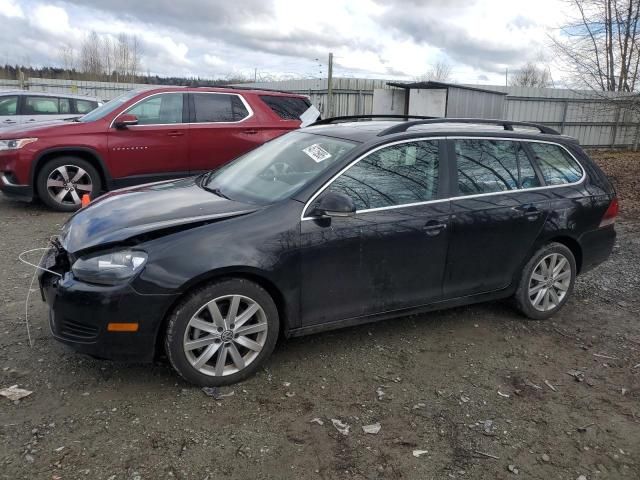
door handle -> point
(250, 131)
(434, 228)
(175, 134)
(530, 212)
(9, 121)
(31, 120)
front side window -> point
(41, 106)
(278, 168)
(486, 166)
(8, 105)
(556, 164)
(160, 109)
(218, 107)
(392, 176)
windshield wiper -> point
(214, 190)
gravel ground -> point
(479, 391)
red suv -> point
(141, 136)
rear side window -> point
(486, 166)
(556, 164)
(287, 108)
(85, 106)
(41, 106)
(8, 105)
(392, 176)
(218, 107)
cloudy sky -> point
(292, 38)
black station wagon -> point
(340, 223)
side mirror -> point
(334, 204)
(125, 120)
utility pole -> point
(506, 77)
(255, 75)
(330, 87)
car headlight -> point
(109, 268)
(16, 144)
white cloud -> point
(9, 8)
(381, 38)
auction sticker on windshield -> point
(316, 153)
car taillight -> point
(610, 215)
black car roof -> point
(369, 131)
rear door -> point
(9, 110)
(222, 127)
(156, 147)
(497, 214)
(391, 254)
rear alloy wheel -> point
(221, 333)
(547, 281)
(63, 182)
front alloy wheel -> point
(67, 183)
(63, 181)
(225, 335)
(222, 332)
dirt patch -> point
(623, 168)
(466, 385)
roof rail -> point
(259, 89)
(506, 124)
(326, 121)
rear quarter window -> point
(557, 166)
(287, 108)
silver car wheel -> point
(550, 281)
(67, 184)
(225, 335)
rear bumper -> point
(80, 312)
(597, 246)
(13, 190)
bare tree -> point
(68, 57)
(439, 72)
(531, 75)
(600, 44)
(599, 48)
(91, 55)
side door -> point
(156, 147)
(498, 211)
(222, 128)
(9, 110)
(389, 255)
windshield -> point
(278, 168)
(109, 107)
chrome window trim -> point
(242, 99)
(449, 199)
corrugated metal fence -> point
(593, 120)
(101, 90)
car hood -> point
(124, 214)
(21, 131)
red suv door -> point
(156, 145)
(223, 127)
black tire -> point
(193, 303)
(71, 166)
(522, 300)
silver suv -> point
(24, 107)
